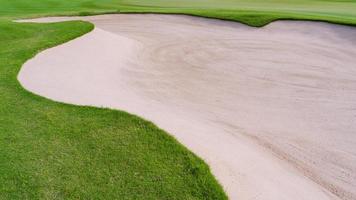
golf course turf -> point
(253, 13)
(51, 150)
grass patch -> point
(51, 150)
(251, 12)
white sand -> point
(272, 110)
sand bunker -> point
(272, 110)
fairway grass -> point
(51, 150)
(254, 13)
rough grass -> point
(51, 150)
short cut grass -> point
(252, 12)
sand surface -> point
(271, 110)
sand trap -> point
(272, 110)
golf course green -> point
(51, 150)
(254, 13)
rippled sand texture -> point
(272, 110)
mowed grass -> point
(34, 8)
(51, 150)
(251, 12)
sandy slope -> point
(272, 110)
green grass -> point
(51, 150)
(251, 12)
